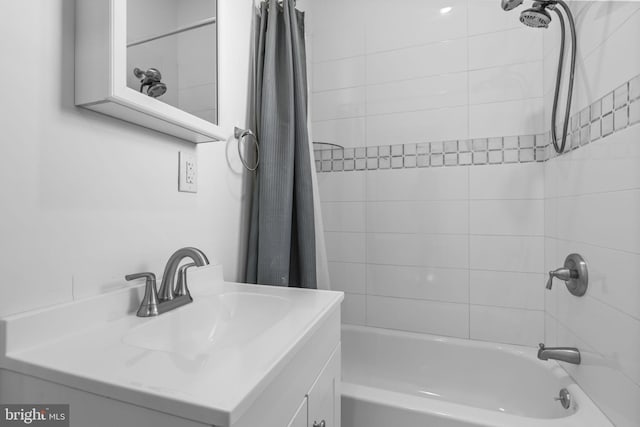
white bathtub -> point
(399, 379)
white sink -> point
(207, 361)
(211, 323)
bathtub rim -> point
(585, 412)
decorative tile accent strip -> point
(612, 113)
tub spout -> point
(564, 354)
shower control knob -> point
(574, 274)
(319, 424)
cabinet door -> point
(300, 418)
(324, 397)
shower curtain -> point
(282, 229)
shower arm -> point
(554, 139)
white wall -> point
(86, 198)
(592, 198)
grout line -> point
(467, 71)
(624, 251)
(419, 45)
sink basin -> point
(210, 324)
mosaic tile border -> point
(612, 113)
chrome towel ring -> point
(239, 134)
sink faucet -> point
(167, 288)
(564, 354)
(170, 296)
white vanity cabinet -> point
(300, 418)
(276, 365)
(321, 406)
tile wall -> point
(592, 206)
(450, 251)
(446, 69)
(462, 251)
(408, 89)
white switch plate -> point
(187, 173)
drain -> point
(565, 398)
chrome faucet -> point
(170, 296)
(564, 354)
(167, 288)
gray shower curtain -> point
(281, 247)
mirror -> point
(172, 53)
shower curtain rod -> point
(197, 24)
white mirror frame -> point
(101, 82)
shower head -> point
(511, 4)
(151, 80)
(157, 89)
(536, 17)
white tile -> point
(418, 126)
(594, 323)
(506, 83)
(602, 20)
(429, 317)
(354, 309)
(507, 253)
(415, 62)
(343, 216)
(342, 187)
(507, 325)
(338, 104)
(425, 93)
(338, 74)
(437, 284)
(514, 181)
(511, 290)
(597, 77)
(508, 217)
(348, 277)
(551, 217)
(428, 250)
(436, 217)
(519, 117)
(413, 22)
(613, 275)
(603, 219)
(338, 29)
(346, 132)
(345, 247)
(486, 16)
(552, 261)
(505, 47)
(597, 168)
(418, 184)
(550, 331)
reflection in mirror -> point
(172, 53)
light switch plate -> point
(187, 173)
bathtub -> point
(400, 379)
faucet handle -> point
(181, 286)
(149, 305)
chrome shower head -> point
(157, 89)
(536, 17)
(511, 4)
(151, 79)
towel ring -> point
(242, 133)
